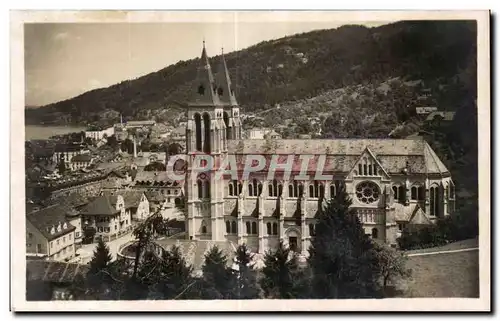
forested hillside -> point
(292, 68)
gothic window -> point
(275, 228)
(254, 228)
(228, 128)
(206, 186)
(414, 193)
(269, 228)
(234, 188)
(207, 133)
(228, 227)
(220, 91)
(201, 90)
(197, 125)
(421, 193)
(434, 201)
(254, 188)
(360, 169)
(332, 190)
(199, 183)
(214, 87)
(367, 192)
(401, 194)
(295, 189)
(452, 191)
(316, 190)
(249, 231)
(275, 189)
(374, 233)
(203, 229)
(234, 230)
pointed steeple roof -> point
(225, 90)
(204, 91)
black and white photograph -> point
(238, 160)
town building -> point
(393, 183)
(80, 161)
(49, 235)
(99, 133)
(65, 152)
(108, 216)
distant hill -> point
(292, 68)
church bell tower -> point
(205, 147)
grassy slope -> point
(444, 275)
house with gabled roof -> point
(49, 235)
(107, 216)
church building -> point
(394, 183)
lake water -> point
(44, 132)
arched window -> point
(275, 189)
(228, 128)
(234, 188)
(374, 233)
(395, 192)
(421, 193)
(220, 91)
(370, 170)
(275, 228)
(206, 186)
(316, 190)
(200, 188)
(203, 227)
(228, 227)
(365, 170)
(311, 191)
(207, 138)
(401, 194)
(360, 169)
(197, 125)
(254, 228)
(234, 230)
(434, 201)
(269, 232)
(374, 169)
(452, 190)
(254, 188)
(231, 190)
(414, 192)
(333, 191)
(249, 231)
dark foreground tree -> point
(101, 258)
(342, 258)
(282, 277)
(218, 279)
(246, 284)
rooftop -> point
(102, 205)
(51, 221)
(82, 158)
(54, 271)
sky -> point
(64, 60)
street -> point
(87, 250)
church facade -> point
(394, 183)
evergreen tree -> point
(175, 280)
(283, 279)
(61, 167)
(101, 258)
(246, 282)
(342, 258)
(218, 279)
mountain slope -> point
(291, 68)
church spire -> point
(225, 91)
(204, 93)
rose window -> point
(367, 192)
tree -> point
(392, 264)
(218, 279)
(112, 142)
(281, 274)
(246, 284)
(101, 258)
(342, 257)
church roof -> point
(341, 154)
(225, 89)
(204, 93)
